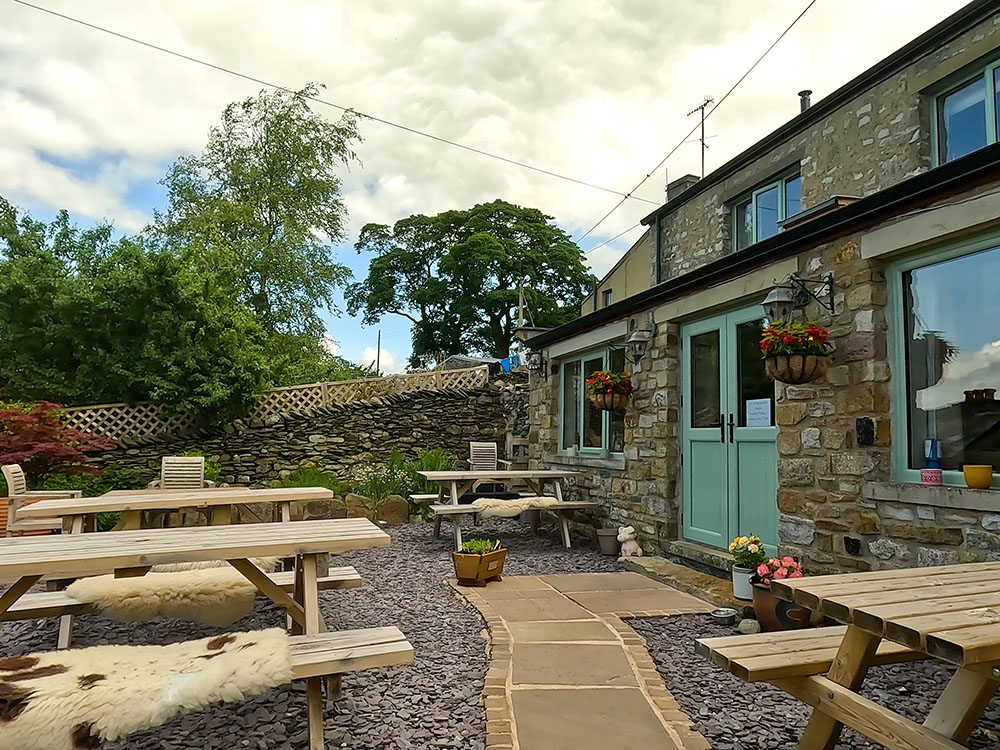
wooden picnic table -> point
(950, 613)
(455, 484)
(27, 560)
(219, 501)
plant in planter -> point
(479, 561)
(748, 553)
(773, 613)
(610, 391)
(797, 353)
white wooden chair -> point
(483, 457)
(18, 494)
(181, 473)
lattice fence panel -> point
(119, 421)
(296, 399)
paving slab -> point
(491, 594)
(541, 608)
(571, 582)
(571, 664)
(649, 601)
(517, 583)
(588, 719)
(549, 632)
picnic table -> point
(27, 560)
(218, 501)
(950, 613)
(456, 484)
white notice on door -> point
(759, 412)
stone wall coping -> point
(958, 498)
(592, 462)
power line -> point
(327, 103)
(608, 242)
(692, 131)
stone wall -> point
(338, 438)
(877, 140)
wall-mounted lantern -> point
(783, 299)
(638, 342)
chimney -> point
(804, 101)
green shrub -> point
(480, 546)
(379, 482)
(107, 521)
(124, 478)
(310, 476)
(432, 459)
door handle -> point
(732, 427)
(722, 428)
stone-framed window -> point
(966, 112)
(582, 426)
(757, 214)
(946, 359)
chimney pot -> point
(804, 101)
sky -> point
(597, 90)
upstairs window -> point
(605, 298)
(756, 216)
(965, 114)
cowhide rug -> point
(67, 700)
(492, 507)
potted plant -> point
(797, 353)
(479, 561)
(773, 613)
(610, 391)
(748, 553)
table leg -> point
(65, 637)
(220, 515)
(271, 590)
(848, 669)
(437, 526)
(286, 511)
(962, 704)
(131, 520)
(307, 593)
(456, 527)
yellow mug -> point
(977, 476)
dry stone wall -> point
(339, 438)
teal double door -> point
(729, 458)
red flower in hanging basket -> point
(604, 381)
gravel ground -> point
(433, 703)
(733, 715)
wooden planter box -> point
(796, 369)
(610, 401)
(476, 570)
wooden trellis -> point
(143, 420)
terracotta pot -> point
(610, 401)
(775, 614)
(978, 477)
(476, 570)
(796, 369)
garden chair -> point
(19, 494)
(181, 473)
(483, 457)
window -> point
(584, 426)
(965, 114)
(606, 298)
(948, 309)
(756, 216)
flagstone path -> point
(567, 673)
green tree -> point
(261, 207)
(456, 276)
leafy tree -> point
(456, 275)
(261, 206)
(42, 444)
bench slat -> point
(348, 651)
(446, 509)
(41, 604)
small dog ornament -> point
(630, 547)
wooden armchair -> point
(19, 495)
(181, 473)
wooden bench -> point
(58, 603)
(764, 657)
(454, 512)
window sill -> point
(615, 463)
(956, 498)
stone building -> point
(890, 185)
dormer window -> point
(757, 215)
(966, 114)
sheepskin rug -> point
(210, 596)
(67, 700)
(492, 507)
(264, 563)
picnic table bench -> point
(27, 560)
(950, 613)
(455, 484)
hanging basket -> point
(610, 401)
(796, 369)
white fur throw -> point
(211, 596)
(264, 563)
(67, 700)
(493, 507)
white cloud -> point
(330, 344)
(967, 371)
(388, 363)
